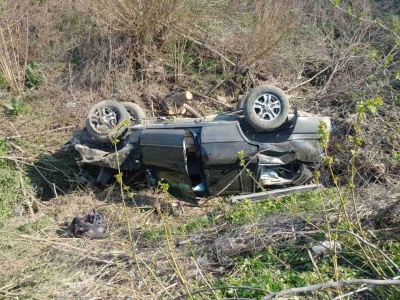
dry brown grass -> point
(14, 47)
(149, 22)
(142, 51)
(39, 260)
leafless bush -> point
(260, 27)
(149, 22)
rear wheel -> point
(135, 111)
(266, 108)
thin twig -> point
(374, 247)
(361, 289)
(208, 47)
(366, 20)
(41, 132)
(304, 82)
(212, 99)
(16, 147)
(23, 161)
(216, 86)
(315, 265)
(202, 276)
(331, 284)
(28, 203)
(54, 241)
(52, 186)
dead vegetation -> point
(43, 262)
(326, 58)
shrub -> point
(15, 106)
(33, 76)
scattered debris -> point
(255, 197)
(326, 246)
(91, 225)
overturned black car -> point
(205, 156)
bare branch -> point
(374, 247)
(212, 99)
(361, 289)
(331, 284)
(308, 80)
(367, 21)
(208, 47)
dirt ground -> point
(147, 255)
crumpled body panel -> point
(201, 157)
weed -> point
(33, 76)
(35, 226)
(181, 228)
(151, 233)
(15, 106)
(262, 271)
(247, 210)
(74, 57)
(199, 223)
(9, 184)
(3, 80)
(10, 69)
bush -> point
(33, 76)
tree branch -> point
(208, 47)
(366, 20)
(331, 284)
(360, 289)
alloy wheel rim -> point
(267, 107)
(103, 120)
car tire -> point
(266, 108)
(107, 120)
(135, 111)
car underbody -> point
(209, 156)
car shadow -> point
(58, 174)
(52, 175)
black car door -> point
(220, 147)
(163, 151)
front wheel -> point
(266, 108)
(107, 120)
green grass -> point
(243, 213)
(247, 210)
(287, 266)
(10, 195)
(3, 80)
(35, 226)
(278, 269)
